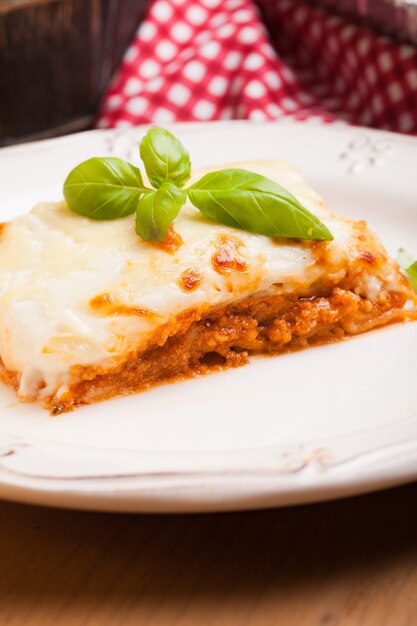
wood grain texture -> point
(346, 563)
(56, 59)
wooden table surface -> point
(352, 562)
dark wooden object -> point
(56, 58)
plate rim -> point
(279, 488)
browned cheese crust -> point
(197, 342)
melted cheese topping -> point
(75, 291)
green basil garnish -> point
(412, 275)
(256, 204)
(109, 188)
(409, 265)
(156, 210)
(164, 157)
(103, 188)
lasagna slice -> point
(89, 311)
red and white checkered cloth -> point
(214, 59)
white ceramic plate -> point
(327, 422)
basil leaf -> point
(256, 204)
(412, 275)
(156, 211)
(405, 260)
(164, 157)
(103, 188)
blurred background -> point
(70, 65)
(56, 60)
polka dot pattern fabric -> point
(200, 60)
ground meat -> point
(226, 336)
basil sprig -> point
(109, 188)
(254, 203)
(156, 210)
(409, 265)
(104, 189)
(164, 158)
